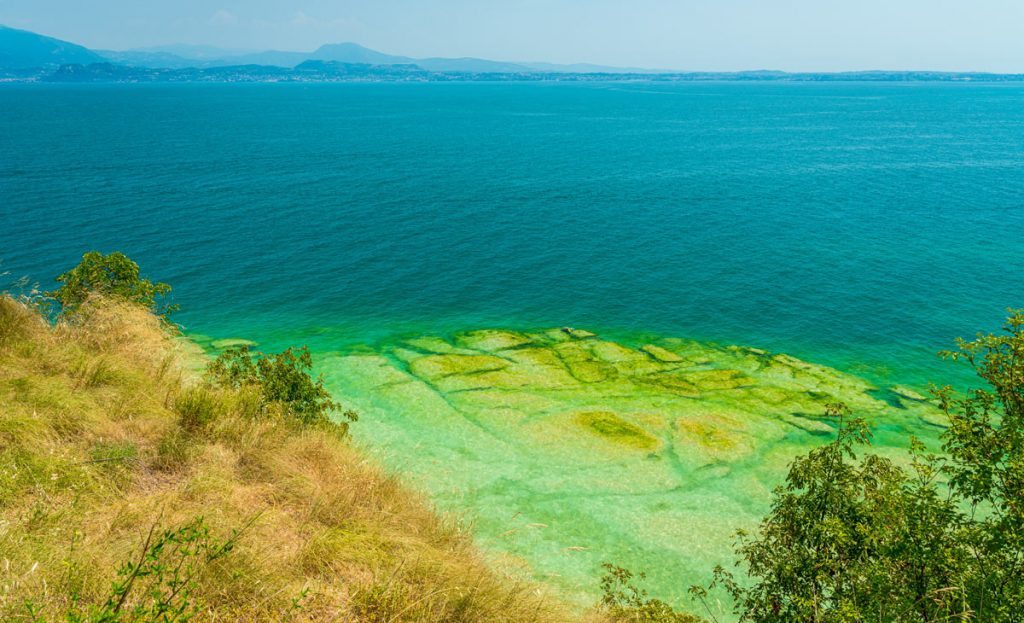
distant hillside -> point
(179, 57)
(20, 49)
(29, 57)
(355, 53)
(472, 65)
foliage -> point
(160, 584)
(624, 602)
(850, 540)
(985, 443)
(853, 540)
(198, 407)
(113, 275)
(282, 379)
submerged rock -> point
(578, 334)
(429, 344)
(661, 354)
(613, 428)
(231, 343)
(432, 367)
(491, 341)
(905, 392)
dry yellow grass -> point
(100, 441)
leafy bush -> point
(282, 379)
(624, 602)
(985, 444)
(160, 584)
(113, 275)
(856, 540)
(850, 540)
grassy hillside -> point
(129, 492)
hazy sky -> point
(680, 34)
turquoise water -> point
(857, 225)
(853, 225)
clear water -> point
(861, 226)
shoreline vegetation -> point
(141, 481)
(131, 489)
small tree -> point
(985, 443)
(851, 540)
(624, 602)
(282, 379)
(113, 275)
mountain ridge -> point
(23, 49)
(34, 50)
(27, 56)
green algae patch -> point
(717, 435)
(578, 334)
(715, 380)
(491, 340)
(612, 352)
(591, 371)
(616, 430)
(429, 344)
(231, 343)
(661, 354)
(438, 366)
(907, 393)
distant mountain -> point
(26, 56)
(274, 58)
(194, 52)
(181, 56)
(139, 58)
(355, 53)
(471, 65)
(21, 49)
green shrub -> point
(113, 275)
(197, 407)
(624, 602)
(173, 451)
(282, 379)
(985, 444)
(857, 539)
(159, 585)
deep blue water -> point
(860, 225)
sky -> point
(713, 35)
